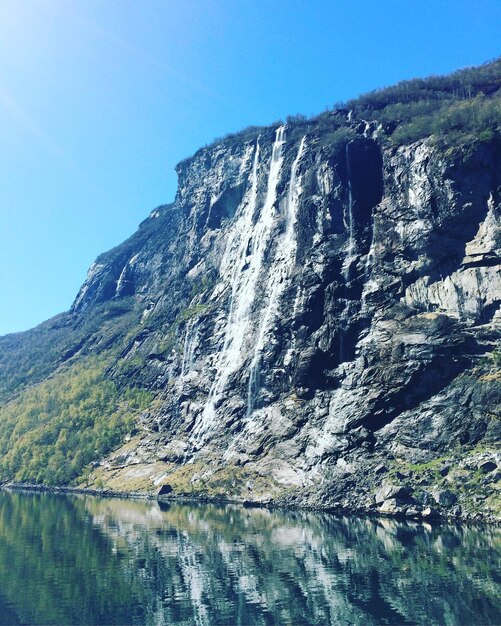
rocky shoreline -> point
(427, 514)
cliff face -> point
(340, 302)
(314, 318)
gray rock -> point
(444, 470)
(424, 497)
(487, 466)
(391, 506)
(413, 511)
(391, 491)
(444, 497)
(402, 475)
(173, 452)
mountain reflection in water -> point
(84, 560)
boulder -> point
(388, 492)
(165, 490)
(444, 497)
(487, 466)
(391, 506)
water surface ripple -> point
(84, 560)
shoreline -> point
(435, 517)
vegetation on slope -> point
(450, 122)
(55, 429)
(27, 358)
(452, 110)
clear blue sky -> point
(99, 99)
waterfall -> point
(351, 239)
(190, 342)
(277, 282)
(369, 259)
(370, 283)
(241, 267)
(349, 258)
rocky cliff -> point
(315, 319)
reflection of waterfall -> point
(277, 282)
(194, 574)
(114, 561)
(208, 564)
(243, 261)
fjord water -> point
(84, 560)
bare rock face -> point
(326, 310)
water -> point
(348, 261)
(233, 266)
(85, 560)
(350, 257)
(282, 265)
(189, 346)
(242, 267)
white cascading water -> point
(351, 239)
(350, 257)
(371, 283)
(369, 259)
(242, 265)
(190, 343)
(277, 282)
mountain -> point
(314, 321)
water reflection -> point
(83, 560)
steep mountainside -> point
(313, 321)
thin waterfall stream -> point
(246, 263)
(350, 256)
(277, 282)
